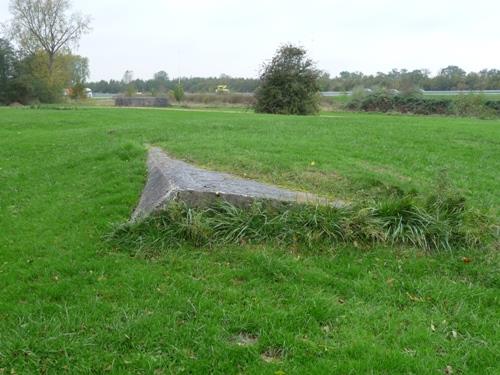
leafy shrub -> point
(289, 84)
(78, 92)
(493, 105)
(473, 105)
(178, 93)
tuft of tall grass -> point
(436, 223)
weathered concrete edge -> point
(162, 189)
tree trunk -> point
(51, 63)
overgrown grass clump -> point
(438, 223)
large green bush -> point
(474, 105)
(493, 105)
(289, 84)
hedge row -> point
(466, 105)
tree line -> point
(449, 78)
(161, 83)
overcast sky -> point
(210, 37)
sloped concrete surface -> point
(171, 179)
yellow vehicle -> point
(222, 89)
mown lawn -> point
(70, 303)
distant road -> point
(486, 92)
(456, 92)
(99, 95)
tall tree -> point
(159, 83)
(450, 78)
(7, 68)
(161, 76)
(48, 87)
(46, 25)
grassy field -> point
(71, 303)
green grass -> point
(70, 303)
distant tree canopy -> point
(447, 79)
(40, 65)
(161, 83)
(7, 69)
(46, 25)
(289, 84)
(29, 78)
